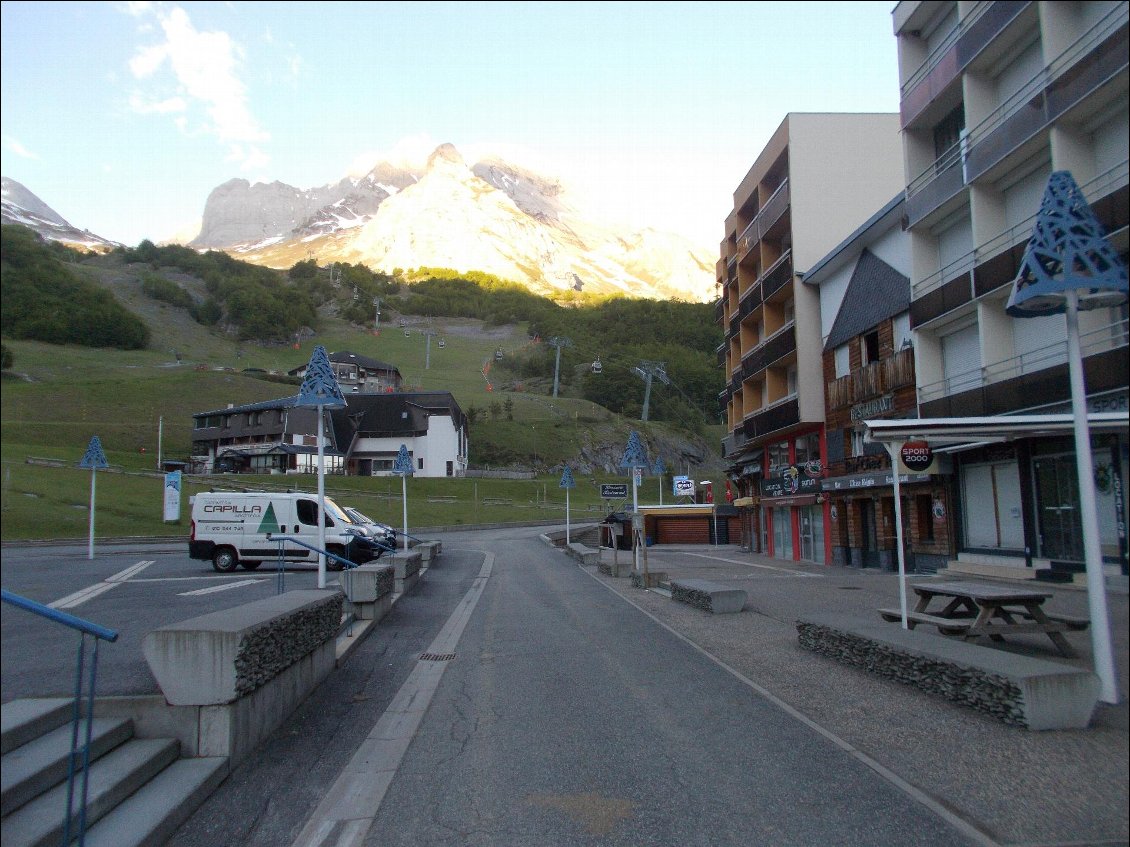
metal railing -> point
(96, 633)
(1101, 339)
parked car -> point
(379, 532)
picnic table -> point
(975, 610)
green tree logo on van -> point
(270, 523)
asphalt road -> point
(565, 717)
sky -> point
(124, 116)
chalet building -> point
(371, 429)
(869, 374)
(819, 176)
(995, 97)
(280, 437)
(359, 374)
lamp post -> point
(567, 482)
(402, 467)
(320, 391)
(95, 459)
(635, 460)
(1070, 266)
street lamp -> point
(1069, 265)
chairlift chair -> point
(498, 354)
(442, 343)
(597, 367)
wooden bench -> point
(708, 596)
(947, 626)
(1074, 622)
(443, 499)
(497, 501)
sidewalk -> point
(1016, 786)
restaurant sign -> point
(871, 480)
(878, 406)
(789, 484)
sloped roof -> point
(345, 357)
(875, 293)
(403, 413)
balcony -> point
(780, 415)
(777, 275)
(1033, 379)
(1096, 58)
(769, 213)
(873, 380)
(777, 346)
(972, 35)
(996, 262)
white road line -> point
(755, 565)
(347, 810)
(216, 588)
(92, 591)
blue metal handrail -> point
(97, 633)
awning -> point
(988, 430)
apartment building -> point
(817, 179)
(868, 347)
(996, 96)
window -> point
(843, 361)
(308, 513)
(857, 448)
(791, 379)
(419, 464)
(902, 333)
(778, 457)
(869, 347)
(961, 359)
(948, 132)
(451, 468)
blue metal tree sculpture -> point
(319, 390)
(95, 459)
(402, 467)
(1069, 265)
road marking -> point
(967, 828)
(92, 591)
(216, 588)
(755, 565)
(347, 811)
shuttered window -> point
(961, 359)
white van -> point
(230, 528)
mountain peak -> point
(446, 153)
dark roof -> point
(401, 413)
(348, 357)
(261, 406)
(875, 293)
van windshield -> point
(335, 512)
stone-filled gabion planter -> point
(988, 693)
(692, 597)
(273, 647)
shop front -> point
(793, 515)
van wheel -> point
(250, 566)
(334, 564)
(225, 560)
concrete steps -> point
(139, 790)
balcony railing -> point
(971, 35)
(769, 213)
(873, 380)
(1094, 58)
(1101, 186)
(777, 275)
(1104, 339)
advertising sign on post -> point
(172, 496)
(683, 486)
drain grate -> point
(437, 657)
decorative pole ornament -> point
(402, 467)
(319, 390)
(567, 482)
(1069, 265)
(635, 460)
(95, 459)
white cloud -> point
(17, 148)
(205, 68)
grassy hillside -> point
(140, 402)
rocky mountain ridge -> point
(492, 216)
(20, 206)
